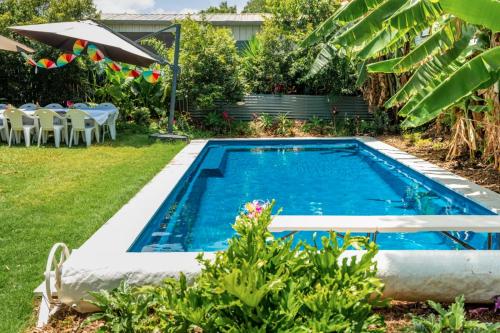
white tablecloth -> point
(99, 115)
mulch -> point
(476, 171)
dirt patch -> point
(67, 320)
(435, 152)
(397, 316)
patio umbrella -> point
(7, 44)
(63, 36)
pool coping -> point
(105, 252)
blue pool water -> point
(312, 177)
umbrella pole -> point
(175, 70)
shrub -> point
(314, 125)
(259, 284)
(284, 126)
(141, 116)
(451, 320)
(210, 65)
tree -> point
(223, 8)
(256, 6)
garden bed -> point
(435, 152)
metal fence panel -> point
(299, 107)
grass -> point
(52, 195)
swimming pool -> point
(306, 178)
(111, 255)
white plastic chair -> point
(52, 106)
(4, 127)
(29, 107)
(78, 126)
(48, 124)
(110, 124)
(20, 122)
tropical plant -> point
(451, 320)
(315, 125)
(265, 122)
(284, 126)
(448, 46)
(261, 283)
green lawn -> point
(52, 195)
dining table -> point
(100, 115)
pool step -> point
(214, 163)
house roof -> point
(222, 19)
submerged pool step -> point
(214, 163)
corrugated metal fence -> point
(296, 107)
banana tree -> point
(444, 44)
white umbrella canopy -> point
(113, 45)
(7, 44)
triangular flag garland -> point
(96, 55)
(65, 59)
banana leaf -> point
(321, 33)
(378, 43)
(369, 25)
(346, 13)
(424, 75)
(480, 12)
(355, 9)
(478, 73)
(438, 42)
(414, 13)
(323, 59)
(362, 76)
(384, 66)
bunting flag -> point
(151, 76)
(79, 46)
(96, 55)
(133, 73)
(113, 65)
(28, 59)
(46, 63)
(65, 59)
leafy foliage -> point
(451, 320)
(272, 62)
(259, 284)
(210, 65)
(223, 8)
(256, 6)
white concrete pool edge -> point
(103, 261)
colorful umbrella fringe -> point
(96, 55)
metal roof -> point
(256, 19)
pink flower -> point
(69, 104)
(226, 115)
